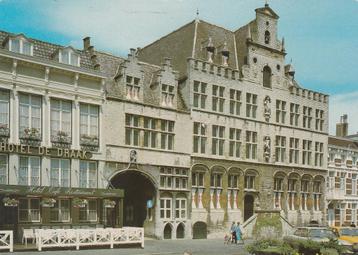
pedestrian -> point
(239, 233)
(233, 232)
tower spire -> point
(266, 3)
(197, 15)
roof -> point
(343, 142)
(353, 137)
(267, 11)
(45, 50)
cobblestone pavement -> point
(156, 247)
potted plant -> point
(61, 137)
(90, 140)
(31, 133)
(10, 202)
(48, 202)
(109, 203)
(79, 202)
(4, 130)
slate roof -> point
(343, 142)
(45, 50)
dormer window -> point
(69, 57)
(21, 45)
(132, 88)
(167, 95)
(267, 37)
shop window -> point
(88, 174)
(29, 171)
(29, 210)
(165, 208)
(89, 211)
(4, 113)
(89, 126)
(60, 212)
(132, 88)
(60, 121)
(30, 117)
(180, 208)
(3, 169)
(60, 172)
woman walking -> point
(238, 233)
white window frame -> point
(251, 105)
(280, 111)
(218, 99)
(30, 177)
(21, 46)
(4, 113)
(235, 102)
(61, 123)
(85, 172)
(4, 169)
(132, 88)
(61, 211)
(30, 118)
(200, 135)
(294, 156)
(198, 179)
(132, 135)
(251, 145)
(61, 173)
(306, 152)
(235, 142)
(199, 94)
(165, 209)
(89, 212)
(218, 140)
(280, 149)
(294, 114)
(33, 214)
(86, 120)
(168, 95)
(180, 210)
(249, 182)
(69, 52)
(167, 134)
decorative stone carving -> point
(267, 108)
(267, 148)
(210, 49)
(133, 156)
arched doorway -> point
(138, 189)
(180, 231)
(248, 206)
(200, 230)
(168, 231)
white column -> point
(218, 192)
(193, 195)
(235, 200)
(200, 203)
(14, 116)
(229, 199)
(46, 120)
(212, 198)
(76, 124)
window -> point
(132, 88)
(267, 37)
(306, 152)
(278, 191)
(20, 45)
(294, 114)
(216, 180)
(89, 211)
(167, 95)
(307, 117)
(167, 134)
(251, 145)
(29, 171)
(217, 147)
(89, 125)
(280, 149)
(317, 193)
(132, 130)
(304, 194)
(234, 142)
(292, 194)
(60, 172)
(354, 184)
(88, 174)
(249, 182)
(235, 102)
(180, 208)
(199, 94)
(30, 116)
(267, 77)
(60, 121)
(318, 158)
(173, 178)
(3, 169)
(69, 57)
(197, 179)
(280, 111)
(150, 133)
(4, 113)
(60, 212)
(165, 208)
(29, 210)
(251, 105)
(233, 181)
(294, 150)
(218, 99)
(319, 120)
(199, 137)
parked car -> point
(347, 236)
(317, 234)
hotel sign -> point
(48, 191)
(44, 151)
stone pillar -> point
(200, 202)
(229, 199)
(212, 199)
(234, 205)
(218, 193)
(193, 196)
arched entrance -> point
(138, 189)
(248, 206)
(180, 231)
(200, 230)
(168, 231)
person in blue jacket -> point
(238, 233)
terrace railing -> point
(7, 240)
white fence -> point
(46, 238)
(6, 240)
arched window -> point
(267, 37)
(267, 77)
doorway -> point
(248, 206)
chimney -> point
(86, 43)
(342, 126)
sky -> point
(321, 36)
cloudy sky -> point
(321, 35)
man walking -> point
(233, 232)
